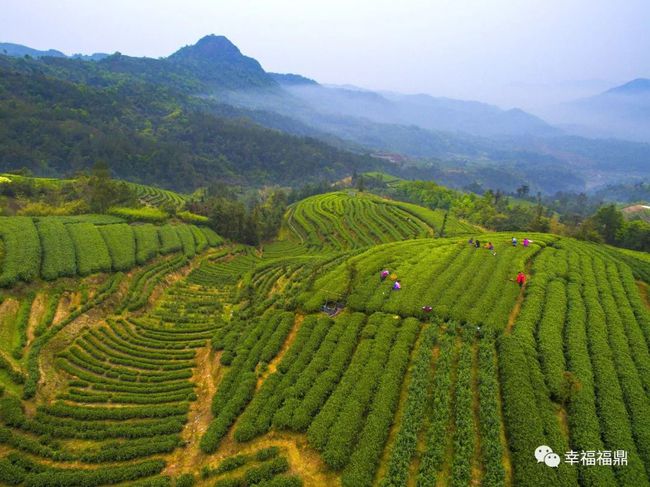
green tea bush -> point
(59, 257)
(90, 249)
(22, 250)
(121, 245)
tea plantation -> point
(136, 354)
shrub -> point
(147, 242)
(120, 241)
(90, 249)
(145, 214)
(22, 250)
(169, 239)
(59, 258)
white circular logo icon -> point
(544, 454)
(541, 452)
(552, 460)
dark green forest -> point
(148, 133)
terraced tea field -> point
(350, 220)
(52, 247)
(296, 364)
(158, 197)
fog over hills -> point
(458, 142)
(622, 112)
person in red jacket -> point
(521, 279)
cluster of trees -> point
(610, 226)
(253, 223)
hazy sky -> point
(503, 51)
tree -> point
(360, 183)
(227, 218)
(588, 231)
(635, 235)
(101, 192)
(609, 221)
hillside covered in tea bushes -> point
(161, 355)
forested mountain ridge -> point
(212, 64)
(149, 133)
(213, 77)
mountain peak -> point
(634, 87)
(217, 61)
(212, 48)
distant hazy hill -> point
(18, 50)
(291, 79)
(459, 142)
(429, 112)
(622, 112)
(214, 65)
(639, 86)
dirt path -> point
(8, 309)
(399, 413)
(36, 315)
(477, 457)
(190, 458)
(63, 308)
(444, 475)
(563, 420)
(273, 365)
(515, 311)
(304, 460)
(505, 459)
(520, 299)
(643, 291)
(421, 445)
(53, 381)
(168, 280)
